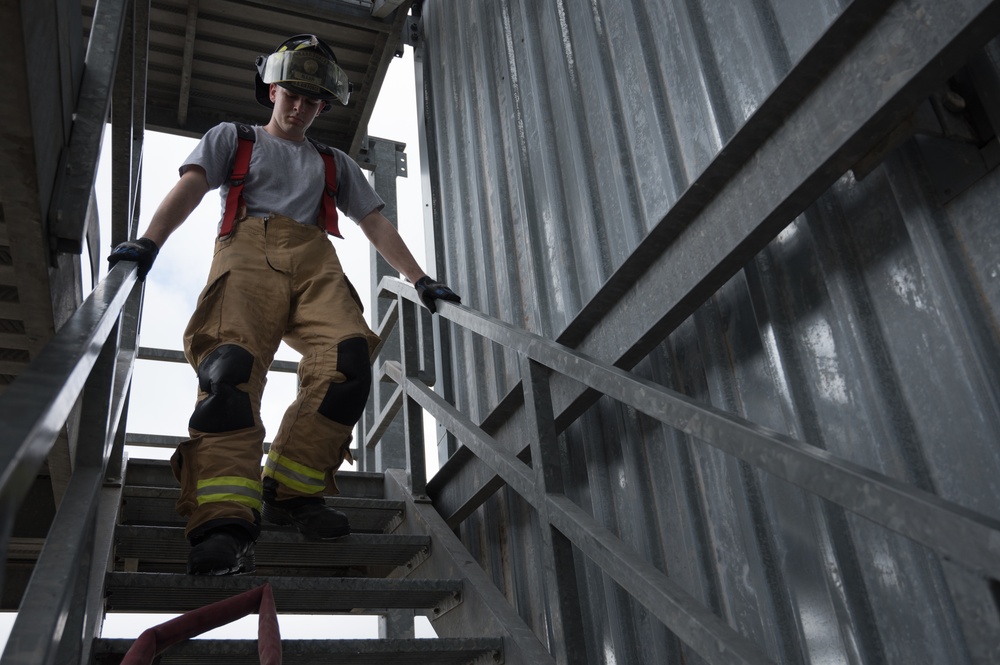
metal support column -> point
(413, 421)
(71, 199)
(383, 158)
(440, 331)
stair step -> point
(157, 473)
(451, 651)
(164, 592)
(154, 506)
(278, 552)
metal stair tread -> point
(154, 506)
(164, 549)
(157, 473)
(165, 592)
(440, 651)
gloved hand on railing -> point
(429, 291)
(143, 251)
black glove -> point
(143, 251)
(429, 291)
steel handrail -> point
(955, 532)
(83, 356)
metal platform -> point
(200, 67)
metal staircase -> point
(366, 572)
(533, 544)
(115, 544)
(84, 529)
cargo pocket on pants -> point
(202, 332)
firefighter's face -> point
(293, 113)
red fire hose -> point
(158, 639)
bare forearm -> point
(176, 206)
(386, 239)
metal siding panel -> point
(800, 23)
(869, 327)
(536, 26)
(635, 128)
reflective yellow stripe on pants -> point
(230, 488)
(296, 476)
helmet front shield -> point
(308, 72)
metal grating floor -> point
(155, 547)
(162, 592)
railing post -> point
(128, 349)
(548, 456)
(396, 625)
(413, 419)
(383, 157)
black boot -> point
(309, 514)
(226, 550)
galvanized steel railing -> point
(89, 362)
(953, 532)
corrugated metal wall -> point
(561, 132)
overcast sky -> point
(163, 394)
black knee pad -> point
(345, 402)
(226, 408)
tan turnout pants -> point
(272, 279)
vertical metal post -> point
(128, 114)
(396, 625)
(390, 452)
(104, 536)
(128, 349)
(75, 181)
(440, 331)
(413, 414)
(548, 462)
(121, 134)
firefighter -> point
(275, 276)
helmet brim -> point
(306, 72)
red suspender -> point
(241, 166)
(328, 205)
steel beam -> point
(381, 157)
(385, 49)
(188, 62)
(75, 181)
(384, 419)
(382, 8)
(128, 113)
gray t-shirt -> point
(285, 177)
